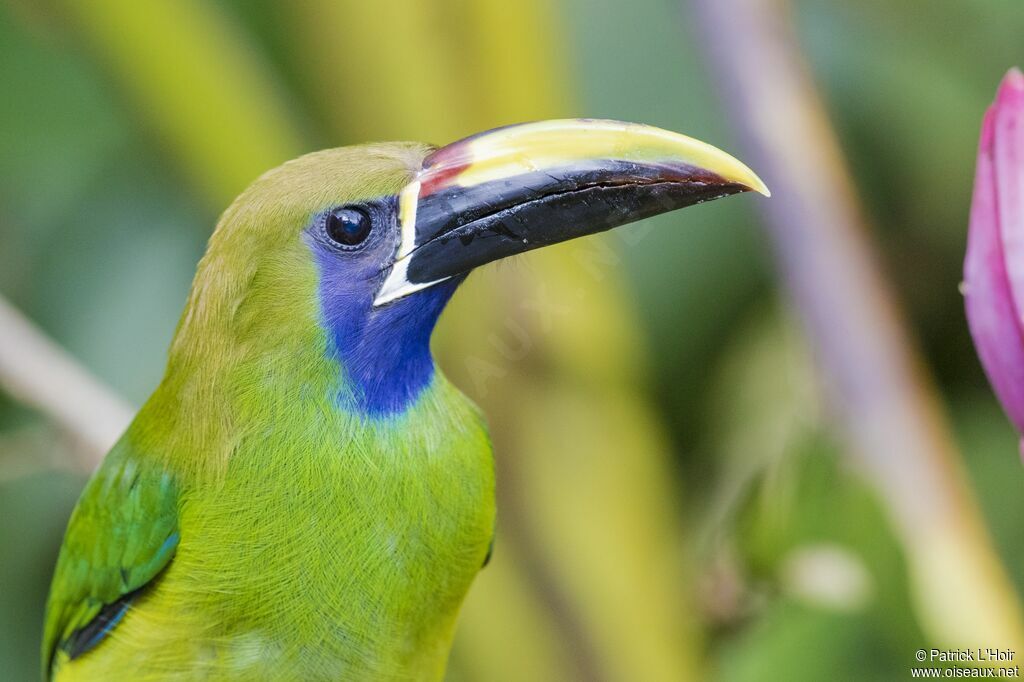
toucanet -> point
(305, 496)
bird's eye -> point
(348, 226)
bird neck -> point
(309, 390)
(383, 353)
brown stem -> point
(38, 373)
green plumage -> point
(136, 506)
(315, 542)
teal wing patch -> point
(122, 533)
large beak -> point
(518, 188)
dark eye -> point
(348, 226)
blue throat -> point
(384, 352)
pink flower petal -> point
(1007, 145)
(991, 311)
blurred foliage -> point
(672, 499)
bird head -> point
(360, 248)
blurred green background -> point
(673, 501)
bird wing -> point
(122, 533)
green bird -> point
(305, 496)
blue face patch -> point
(384, 351)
